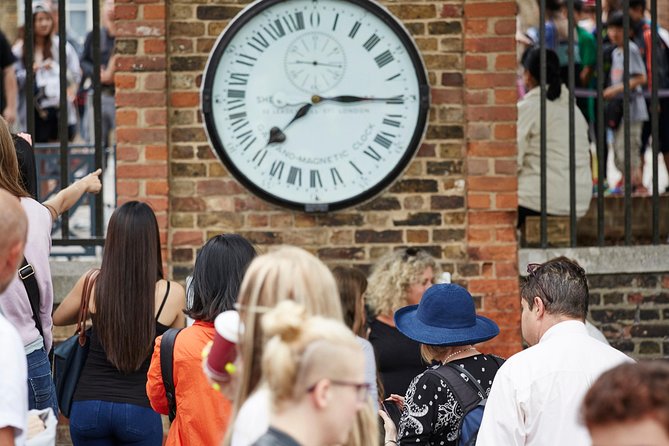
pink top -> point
(14, 302)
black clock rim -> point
(223, 40)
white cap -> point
(228, 325)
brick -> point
(444, 167)
(477, 166)
(141, 28)
(341, 254)
(189, 204)
(500, 252)
(125, 12)
(446, 202)
(188, 134)
(489, 45)
(478, 201)
(451, 79)
(128, 188)
(413, 11)
(475, 235)
(140, 63)
(154, 46)
(155, 117)
(506, 62)
(491, 113)
(417, 236)
(126, 47)
(188, 170)
(505, 234)
(444, 132)
(125, 81)
(492, 218)
(505, 27)
(489, 80)
(506, 201)
(420, 219)
(492, 148)
(187, 238)
(477, 97)
(505, 131)
(140, 135)
(491, 184)
(476, 27)
(411, 185)
(154, 12)
(505, 167)
(451, 11)
(219, 187)
(157, 187)
(185, 99)
(155, 153)
(127, 153)
(444, 27)
(490, 9)
(370, 236)
(228, 221)
(189, 63)
(506, 269)
(126, 118)
(217, 12)
(187, 29)
(340, 219)
(158, 204)
(446, 96)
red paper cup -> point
(224, 349)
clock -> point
(315, 105)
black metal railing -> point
(72, 160)
(653, 94)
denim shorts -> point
(103, 423)
(41, 390)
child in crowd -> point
(638, 112)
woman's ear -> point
(321, 394)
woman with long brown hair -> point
(15, 301)
(130, 305)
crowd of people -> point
(557, 128)
(321, 354)
(45, 72)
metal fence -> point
(73, 160)
(653, 95)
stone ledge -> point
(603, 260)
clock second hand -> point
(277, 135)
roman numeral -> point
(372, 153)
(371, 42)
(355, 167)
(277, 28)
(261, 41)
(396, 100)
(354, 30)
(384, 58)
(239, 78)
(334, 25)
(236, 94)
(237, 117)
(393, 77)
(315, 179)
(336, 178)
(276, 169)
(249, 145)
(243, 124)
(259, 157)
(392, 122)
(294, 22)
(295, 175)
(382, 141)
(247, 60)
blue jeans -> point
(102, 423)
(41, 389)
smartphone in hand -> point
(392, 410)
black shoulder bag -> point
(167, 368)
(27, 276)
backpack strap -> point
(465, 392)
(167, 368)
(27, 276)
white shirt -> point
(253, 418)
(536, 395)
(557, 155)
(13, 378)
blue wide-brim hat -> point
(445, 316)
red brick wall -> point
(457, 198)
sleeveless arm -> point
(155, 389)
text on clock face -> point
(315, 95)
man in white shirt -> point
(13, 373)
(537, 393)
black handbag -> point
(70, 355)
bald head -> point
(13, 227)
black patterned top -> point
(431, 412)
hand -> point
(277, 135)
(397, 399)
(348, 99)
(389, 427)
(612, 91)
(26, 136)
(91, 182)
(107, 73)
(9, 113)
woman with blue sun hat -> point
(446, 325)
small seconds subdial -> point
(315, 62)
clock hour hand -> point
(277, 135)
(349, 99)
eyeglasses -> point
(534, 273)
(361, 389)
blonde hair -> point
(391, 277)
(431, 353)
(10, 176)
(302, 350)
(287, 273)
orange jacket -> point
(202, 413)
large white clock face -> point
(315, 104)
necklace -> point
(457, 353)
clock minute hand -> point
(277, 135)
(349, 99)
